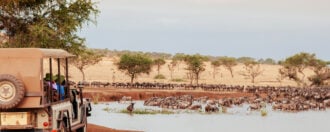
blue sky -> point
(255, 28)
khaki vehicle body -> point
(27, 103)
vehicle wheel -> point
(11, 91)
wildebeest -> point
(130, 108)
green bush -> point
(160, 76)
(178, 80)
(263, 112)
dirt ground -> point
(97, 128)
(107, 71)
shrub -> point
(263, 112)
(178, 80)
(96, 99)
(159, 76)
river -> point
(235, 120)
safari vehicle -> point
(28, 102)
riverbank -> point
(115, 94)
(97, 128)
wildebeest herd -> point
(290, 99)
(284, 98)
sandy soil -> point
(106, 71)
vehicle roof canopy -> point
(34, 53)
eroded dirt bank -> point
(112, 94)
(97, 128)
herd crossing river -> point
(236, 119)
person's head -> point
(47, 77)
(60, 80)
(63, 82)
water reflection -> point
(236, 120)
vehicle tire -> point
(11, 91)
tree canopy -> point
(159, 62)
(85, 59)
(294, 66)
(228, 63)
(252, 70)
(245, 59)
(268, 61)
(134, 64)
(45, 23)
(195, 65)
(215, 65)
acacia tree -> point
(321, 72)
(252, 70)
(159, 62)
(85, 59)
(215, 65)
(178, 57)
(195, 65)
(294, 66)
(228, 63)
(45, 23)
(268, 61)
(171, 67)
(134, 64)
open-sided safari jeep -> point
(29, 102)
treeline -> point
(292, 67)
(167, 56)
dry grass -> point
(106, 71)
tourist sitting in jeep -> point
(60, 86)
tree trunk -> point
(214, 72)
(303, 77)
(190, 76)
(158, 69)
(197, 77)
(171, 73)
(132, 78)
(231, 73)
(83, 74)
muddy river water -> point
(236, 119)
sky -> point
(255, 28)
